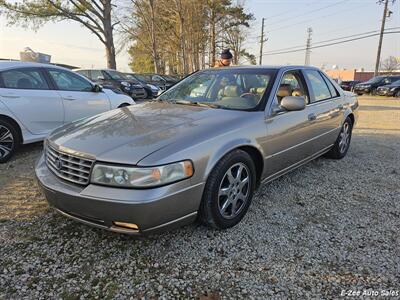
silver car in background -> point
(198, 151)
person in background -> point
(225, 60)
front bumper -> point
(152, 210)
(361, 90)
(385, 92)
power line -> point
(330, 40)
(287, 11)
(311, 20)
(306, 13)
(331, 44)
(311, 11)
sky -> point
(286, 23)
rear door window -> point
(30, 79)
(318, 85)
(84, 73)
(68, 81)
(332, 89)
(96, 75)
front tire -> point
(9, 140)
(342, 144)
(229, 190)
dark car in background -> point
(348, 85)
(370, 86)
(118, 80)
(152, 90)
(164, 82)
(391, 90)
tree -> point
(95, 15)
(234, 30)
(390, 64)
(141, 59)
(181, 35)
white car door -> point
(77, 95)
(27, 94)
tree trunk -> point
(108, 36)
(153, 38)
(212, 39)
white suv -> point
(37, 98)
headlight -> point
(153, 88)
(393, 89)
(121, 176)
(126, 84)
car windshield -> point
(396, 83)
(169, 77)
(375, 79)
(116, 75)
(132, 78)
(228, 89)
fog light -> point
(126, 225)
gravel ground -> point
(328, 227)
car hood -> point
(129, 134)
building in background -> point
(359, 75)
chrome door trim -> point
(296, 165)
(300, 144)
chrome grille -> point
(68, 167)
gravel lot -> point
(326, 227)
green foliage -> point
(141, 61)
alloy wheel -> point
(6, 141)
(344, 137)
(234, 191)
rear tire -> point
(342, 144)
(9, 140)
(124, 105)
(229, 190)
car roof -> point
(5, 65)
(265, 67)
(97, 69)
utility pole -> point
(378, 55)
(262, 40)
(308, 46)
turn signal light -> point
(126, 225)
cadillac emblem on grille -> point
(58, 163)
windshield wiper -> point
(197, 103)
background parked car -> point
(348, 85)
(151, 90)
(37, 98)
(392, 89)
(370, 86)
(116, 79)
(164, 82)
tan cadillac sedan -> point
(198, 151)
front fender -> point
(226, 148)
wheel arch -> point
(254, 151)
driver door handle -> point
(10, 96)
(312, 117)
(70, 98)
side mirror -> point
(293, 103)
(100, 78)
(97, 88)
